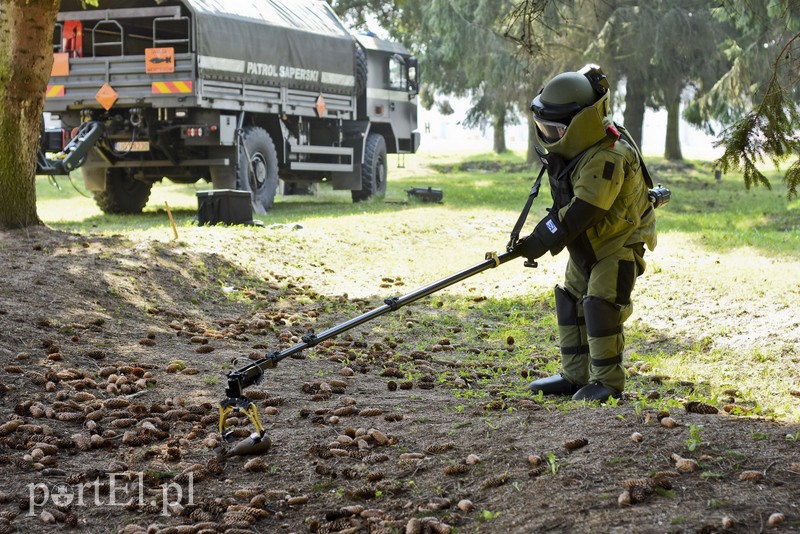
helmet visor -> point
(551, 131)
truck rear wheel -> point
(123, 193)
(373, 170)
(258, 168)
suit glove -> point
(530, 247)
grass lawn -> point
(715, 309)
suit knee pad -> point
(567, 308)
(572, 335)
(604, 327)
(603, 318)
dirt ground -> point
(113, 354)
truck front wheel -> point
(373, 170)
(258, 168)
(123, 193)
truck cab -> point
(392, 88)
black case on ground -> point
(426, 194)
(226, 206)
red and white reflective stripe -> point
(55, 90)
(166, 88)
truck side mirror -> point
(413, 77)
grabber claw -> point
(258, 442)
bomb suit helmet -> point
(569, 111)
(560, 100)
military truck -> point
(239, 94)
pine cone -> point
(273, 401)
(640, 493)
(536, 471)
(437, 448)
(214, 467)
(375, 459)
(751, 475)
(631, 483)
(200, 516)
(493, 482)
(576, 443)
(117, 403)
(363, 492)
(375, 476)
(736, 409)
(701, 408)
(456, 469)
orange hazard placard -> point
(106, 96)
(321, 106)
(60, 64)
(159, 60)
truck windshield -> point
(397, 73)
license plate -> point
(135, 146)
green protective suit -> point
(603, 216)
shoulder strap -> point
(628, 139)
(571, 163)
(523, 216)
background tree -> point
(756, 99)
(26, 57)
(660, 49)
(685, 53)
(625, 47)
(465, 35)
(461, 48)
(769, 128)
(549, 41)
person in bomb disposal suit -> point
(603, 215)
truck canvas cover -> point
(297, 43)
(289, 42)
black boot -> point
(594, 392)
(553, 385)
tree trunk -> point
(633, 116)
(672, 145)
(499, 125)
(26, 57)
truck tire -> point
(259, 174)
(373, 170)
(124, 193)
(361, 70)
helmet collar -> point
(586, 129)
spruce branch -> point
(520, 24)
(767, 131)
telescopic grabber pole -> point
(252, 373)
